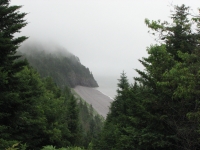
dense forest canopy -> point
(35, 112)
(161, 109)
(56, 62)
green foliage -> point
(73, 121)
(35, 110)
(50, 147)
(48, 115)
(177, 35)
(116, 120)
(177, 87)
(11, 22)
(17, 146)
(65, 69)
(14, 147)
(91, 123)
(161, 110)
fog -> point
(109, 36)
(31, 46)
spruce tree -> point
(118, 106)
(162, 107)
(11, 21)
(177, 35)
(171, 75)
(116, 119)
(72, 117)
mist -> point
(31, 46)
(108, 36)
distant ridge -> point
(64, 67)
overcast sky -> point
(108, 36)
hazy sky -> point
(108, 36)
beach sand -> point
(98, 100)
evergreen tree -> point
(116, 119)
(11, 21)
(118, 106)
(162, 107)
(171, 77)
(28, 121)
(34, 110)
(177, 35)
(73, 121)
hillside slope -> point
(99, 101)
(64, 67)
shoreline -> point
(104, 93)
(99, 101)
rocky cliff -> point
(64, 67)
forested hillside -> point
(161, 110)
(34, 111)
(64, 67)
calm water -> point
(110, 92)
(107, 85)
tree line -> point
(64, 68)
(34, 111)
(161, 110)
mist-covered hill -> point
(56, 62)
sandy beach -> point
(98, 100)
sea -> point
(110, 92)
(107, 86)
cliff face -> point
(64, 68)
(76, 79)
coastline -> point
(99, 101)
(107, 91)
(104, 93)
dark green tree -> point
(73, 122)
(11, 21)
(162, 107)
(154, 101)
(118, 106)
(54, 106)
(116, 119)
(177, 35)
(171, 78)
(28, 121)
